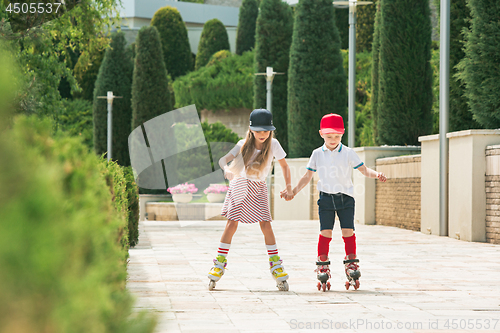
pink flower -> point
(183, 188)
(216, 188)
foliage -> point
(375, 70)
(75, 119)
(272, 49)
(150, 94)
(86, 74)
(213, 38)
(405, 74)
(223, 84)
(478, 70)
(174, 41)
(365, 20)
(42, 52)
(245, 35)
(114, 75)
(316, 81)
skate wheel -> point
(319, 285)
(211, 285)
(323, 286)
(347, 285)
(328, 285)
(356, 285)
(284, 286)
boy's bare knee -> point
(326, 233)
(347, 232)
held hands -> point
(381, 177)
(286, 195)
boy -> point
(334, 163)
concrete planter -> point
(182, 197)
(216, 197)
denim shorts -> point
(341, 203)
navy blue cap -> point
(261, 120)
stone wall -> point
(493, 194)
(236, 119)
(398, 199)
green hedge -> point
(76, 120)
(63, 245)
(223, 84)
(213, 39)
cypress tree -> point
(272, 49)
(150, 94)
(375, 72)
(316, 77)
(479, 70)
(365, 18)
(174, 41)
(245, 36)
(342, 23)
(405, 73)
(114, 75)
(213, 38)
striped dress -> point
(246, 201)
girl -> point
(247, 200)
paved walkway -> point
(410, 282)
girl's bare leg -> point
(267, 230)
(229, 231)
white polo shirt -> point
(334, 168)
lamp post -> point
(110, 98)
(352, 4)
(269, 86)
(444, 105)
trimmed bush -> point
(133, 207)
(272, 49)
(405, 74)
(150, 94)
(174, 41)
(316, 77)
(245, 35)
(213, 38)
(64, 259)
(114, 75)
(223, 84)
(478, 70)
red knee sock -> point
(350, 244)
(323, 245)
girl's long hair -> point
(243, 159)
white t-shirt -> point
(334, 168)
(276, 152)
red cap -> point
(332, 123)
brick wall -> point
(397, 201)
(493, 194)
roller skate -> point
(278, 272)
(352, 271)
(217, 271)
(323, 271)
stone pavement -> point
(410, 282)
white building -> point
(138, 13)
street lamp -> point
(352, 63)
(110, 98)
(269, 86)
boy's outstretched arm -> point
(288, 180)
(306, 178)
(370, 173)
